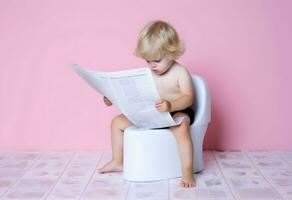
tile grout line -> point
(90, 179)
(168, 193)
(130, 184)
(61, 175)
(225, 179)
(21, 177)
(285, 159)
(282, 157)
(263, 175)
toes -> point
(182, 184)
(187, 184)
(104, 169)
(110, 167)
(101, 170)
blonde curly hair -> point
(159, 39)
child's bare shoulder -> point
(184, 80)
(180, 71)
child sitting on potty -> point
(159, 45)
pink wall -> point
(243, 49)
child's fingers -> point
(159, 101)
(160, 108)
(158, 105)
(107, 101)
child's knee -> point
(117, 120)
(120, 121)
(186, 121)
(182, 130)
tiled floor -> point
(57, 175)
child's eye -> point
(157, 61)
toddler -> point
(159, 45)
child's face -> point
(160, 66)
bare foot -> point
(111, 166)
(188, 180)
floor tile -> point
(73, 175)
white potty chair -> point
(151, 155)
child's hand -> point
(107, 101)
(163, 105)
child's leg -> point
(118, 125)
(185, 147)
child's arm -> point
(187, 93)
(185, 100)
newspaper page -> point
(133, 92)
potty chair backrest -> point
(202, 101)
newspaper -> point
(133, 92)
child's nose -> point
(152, 65)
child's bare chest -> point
(167, 87)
